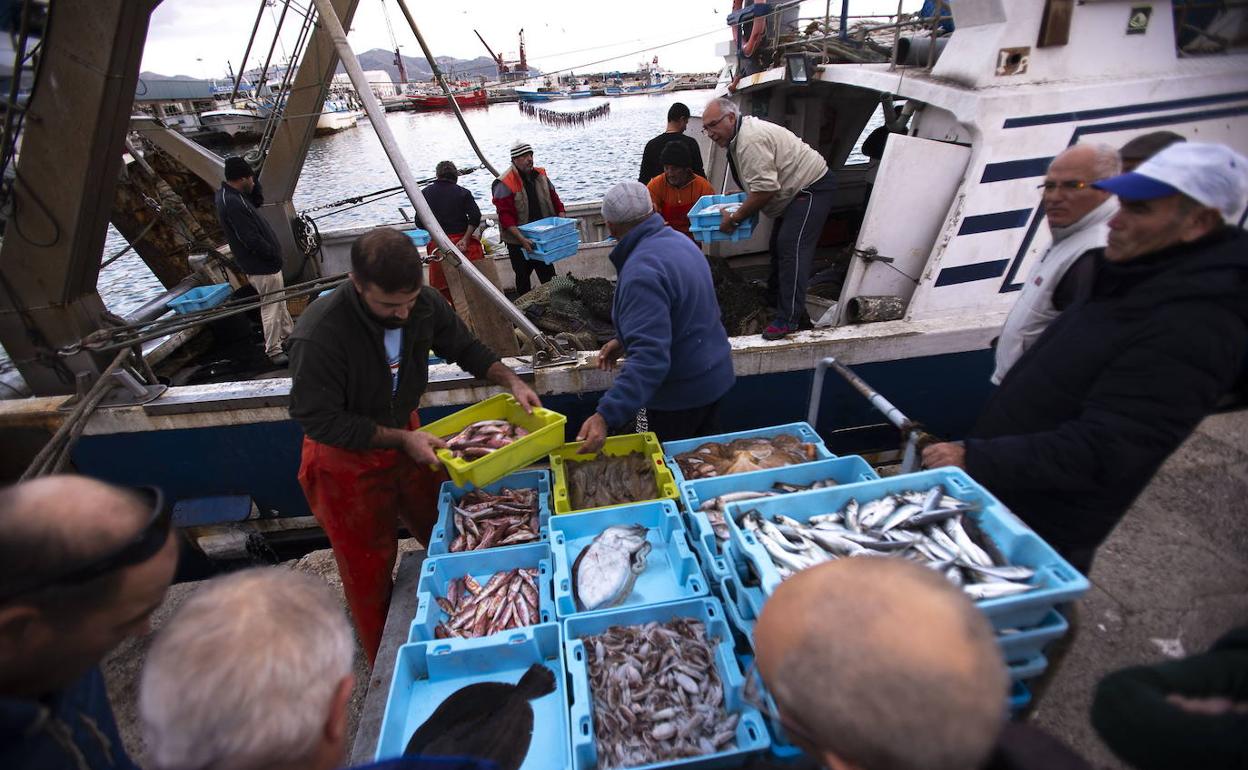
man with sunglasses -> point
(83, 565)
(1078, 215)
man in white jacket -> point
(1078, 215)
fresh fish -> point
(744, 454)
(605, 571)
(610, 480)
(900, 515)
(980, 591)
(954, 529)
(487, 720)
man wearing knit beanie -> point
(521, 195)
(667, 321)
(676, 190)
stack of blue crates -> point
(704, 220)
(418, 236)
(554, 238)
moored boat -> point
(474, 98)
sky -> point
(198, 37)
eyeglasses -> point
(142, 547)
(755, 694)
(714, 122)
(1069, 186)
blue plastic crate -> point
(542, 230)
(1028, 669)
(1060, 583)
(671, 569)
(557, 240)
(438, 571)
(780, 747)
(842, 470)
(1020, 698)
(418, 236)
(752, 734)
(200, 298)
(555, 254)
(1026, 643)
(705, 227)
(800, 429)
(426, 673)
(444, 532)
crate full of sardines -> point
(940, 518)
(489, 440)
(501, 701)
(513, 511)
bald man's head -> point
(861, 654)
(54, 627)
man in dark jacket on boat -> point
(458, 214)
(524, 194)
(359, 365)
(668, 322)
(256, 250)
(1081, 423)
(83, 565)
(652, 157)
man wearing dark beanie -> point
(676, 190)
(255, 250)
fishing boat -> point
(436, 101)
(336, 116)
(547, 92)
(237, 123)
(652, 80)
(950, 225)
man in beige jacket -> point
(787, 180)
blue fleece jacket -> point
(668, 320)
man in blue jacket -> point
(667, 320)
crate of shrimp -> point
(489, 440)
(627, 469)
(710, 210)
(513, 511)
(746, 451)
(941, 518)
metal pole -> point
(433, 65)
(844, 19)
(264, 71)
(242, 67)
(544, 347)
(891, 413)
(896, 36)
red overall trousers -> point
(359, 498)
(437, 280)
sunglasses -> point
(1068, 186)
(142, 547)
(755, 694)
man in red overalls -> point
(359, 365)
(457, 211)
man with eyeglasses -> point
(83, 565)
(1078, 215)
(789, 181)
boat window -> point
(1201, 27)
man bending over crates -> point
(787, 180)
(524, 194)
(667, 320)
(359, 365)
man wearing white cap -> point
(524, 194)
(667, 320)
(1081, 423)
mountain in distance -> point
(418, 67)
(158, 76)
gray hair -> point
(727, 106)
(1105, 160)
(244, 674)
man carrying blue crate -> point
(521, 195)
(255, 250)
(667, 320)
(787, 180)
(359, 366)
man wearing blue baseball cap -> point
(1081, 423)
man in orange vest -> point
(521, 195)
(676, 190)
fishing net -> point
(578, 308)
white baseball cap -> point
(1213, 175)
(626, 202)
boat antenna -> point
(437, 74)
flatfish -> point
(487, 720)
(604, 573)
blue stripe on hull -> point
(987, 223)
(1110, 112)
(1015, 169)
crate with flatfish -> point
(628, 556)
(644, 656)
(513, 511)
(503, 700)
(463, 596)
(705, 499)
(628, 469)
(746, 451)
(940, 517)
(493, 438)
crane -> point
(398, 58)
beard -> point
(389, 322)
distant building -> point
(176, 102)
(379, 80)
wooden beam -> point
(479, 312)
(1055, 23)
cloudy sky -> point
(198, 37)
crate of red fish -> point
(705, 499)
(940, 517)
(489, 440)
(622, 557)
(746, 451)
(671, 667)
(505, 701)
(514, 511)
(482, 593)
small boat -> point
(541, 93)
(337, 115)
(234, 122)
(655, 81)
(581, 93)
(474, 98)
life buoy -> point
(757, 25)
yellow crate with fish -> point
(628, 469)
(489, 440)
